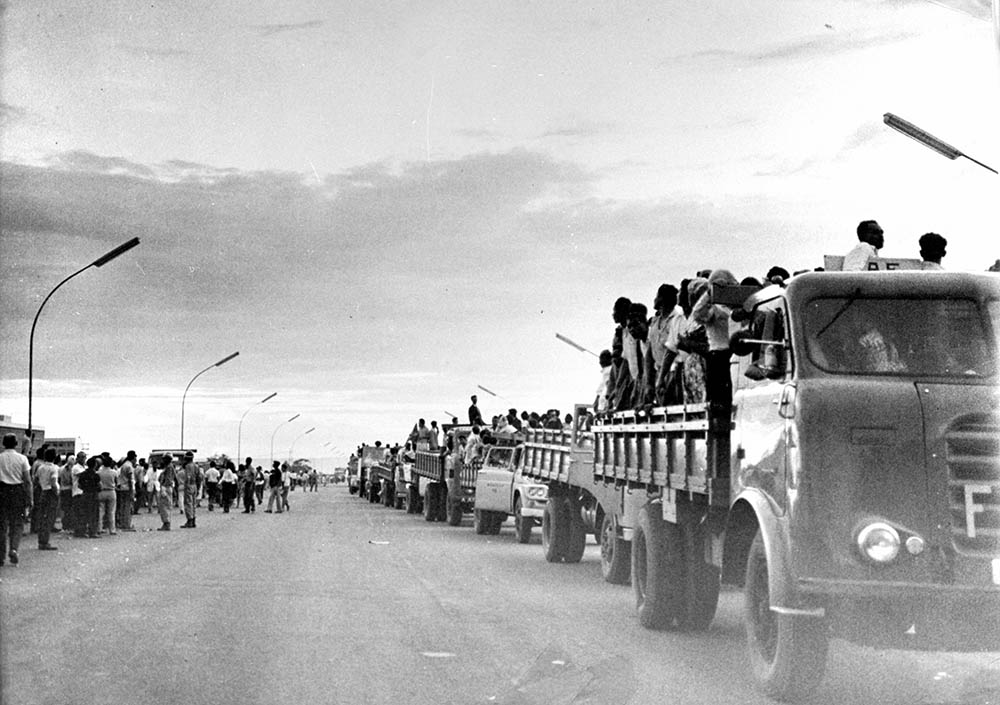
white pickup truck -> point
(503, 491)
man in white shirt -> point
(870, 241)
(47, 479)
(15, 496)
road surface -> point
(340, 601)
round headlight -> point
(878, 542)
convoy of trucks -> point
(851, 489)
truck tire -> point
(401, 499)
(454, 509)
(522, 524)
(388, 494)
(440, 502)
(412, 500)
(702, 582)
(555, 526)
(658, 570)
(576, 533)
(616, 553)
(480, 521)
(430, 503)
(496, 521)
(787, 652)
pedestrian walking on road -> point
(287, 477)
(274, 484)
(212, 485)
(193, 478)
(258, 485)
(47, 479)
(165, 483)
(15, 497)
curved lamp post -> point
(275, 431)
(239, 433)
(296, 441)
(221, 362)
(99, 262)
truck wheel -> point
(480, 523)
(576, 534)
(554, 530)
(440, 502)
(522, 524)
(412, 500)
(454, 510)
(388, 495)
(657, 570)
(616, 554)
(430, 503)
(702, 584)
(787, 652)
(496, 521)
(400, 501)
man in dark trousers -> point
(475, 418)
(15, 497)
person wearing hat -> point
(193, 477)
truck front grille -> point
(972, 451)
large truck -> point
(503, 491)
(860, 495)
(369, 458)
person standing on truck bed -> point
(620, 385)
(668, 384)
(932, 249)
(718, 383)
(871, 239)
(638, 329)
(475, 418)
(601, 398)
(473, 446)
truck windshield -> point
(900, 337)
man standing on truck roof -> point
(870, 241)
(475, 418)
(932, 249)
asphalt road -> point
(339, 601)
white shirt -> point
(14, 467)
(77, 469)
(857, 259)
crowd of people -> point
(89, 497)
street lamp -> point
(221, 362)
(275, 431)
(99, 262)
(296, 441)
(239, 433)
(928, 140)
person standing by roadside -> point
(141, 498)
(228, 486)
(66, 493)
(107, 499)
(274, 487)
(125, 492)
(193, 478)
(249, 477)
(166, 479)
(212, 485)
(15, 497)
(287, 475)
(258, 485)
(76, 506)
(47, 479)
(90, 484)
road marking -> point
(437, 654)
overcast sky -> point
(383, 205)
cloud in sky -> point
(268, 30)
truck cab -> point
(502, 490)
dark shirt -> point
(275, 479)
(475, 418)
(89, 481)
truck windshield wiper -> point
(847, 304)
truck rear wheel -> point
(440, 502)
(787, 651)
(616, 553)
(454, 509)
(413, 503)
(554, 530)
(496, 521)
(522, 524)
(701, 583)
(657, 570)
(480, 521)
(430, 503)
(576, 531)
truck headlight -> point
(878, 542)
(537, 493)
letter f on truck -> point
(971, 508)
